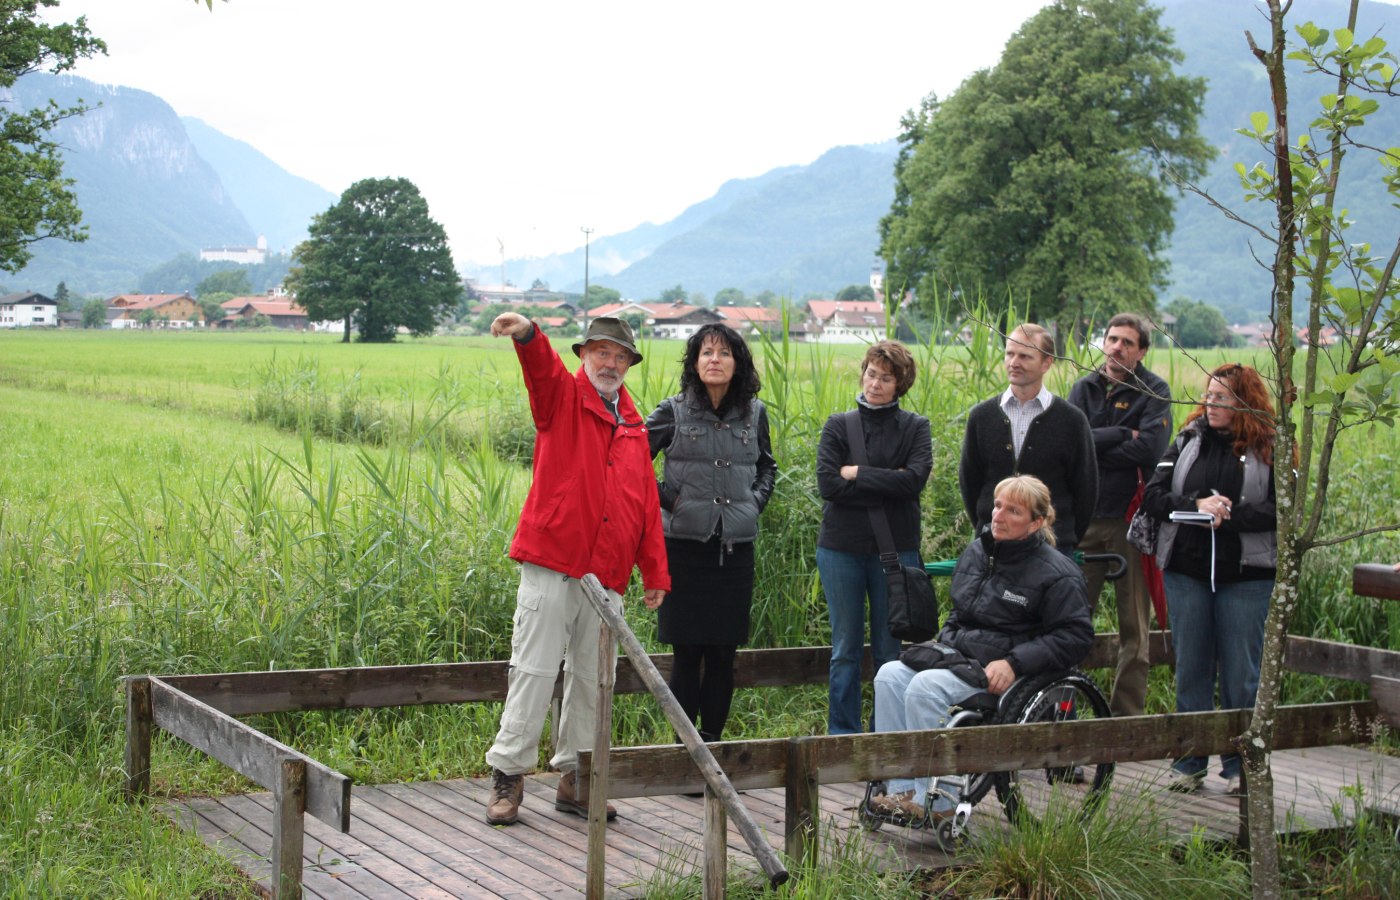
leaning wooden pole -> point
(704, 760)
(598, 775)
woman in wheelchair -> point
(1019, 608)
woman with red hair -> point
(1219, 574)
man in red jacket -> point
(592, 507)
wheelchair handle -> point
(1117, 563)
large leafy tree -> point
(233, 282)
(377, 261)
(36, 201)
(1045, 180)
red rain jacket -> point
(593, 505)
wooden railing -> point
(201, 710)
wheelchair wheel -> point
(980, 783)
(1056, 697)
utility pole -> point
(502, 245)
(587, 235)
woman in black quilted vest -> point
(718, 476)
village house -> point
(488, 294)
(169, 310)
(281, 311)
(846, 321)
(679, 320)
(28, 310)
(753, 320)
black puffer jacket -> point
(1022, 601)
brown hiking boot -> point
(566, 798)
(506, 793)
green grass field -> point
(175, 503)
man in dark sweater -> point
(1129, 412)
(1029, 431)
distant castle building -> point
(248, 256)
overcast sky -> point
(526, 121)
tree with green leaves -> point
(36, 201)
(1199, 325)
(233, 282)
(1339, 394)
(1045, 181)
(63, 297)
(94, 314)
(855, 292)
(600, 296)
(730, 296)
(377, 261)
(211, 306)
(675, 294)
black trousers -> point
(702, 678)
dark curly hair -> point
(742, 387)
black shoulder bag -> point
(912, 603)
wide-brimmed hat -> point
(610, 328)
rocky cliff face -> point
(145, 192)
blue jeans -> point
(847, 580)
(1218, 637)
(906, 700)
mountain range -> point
(154, 186)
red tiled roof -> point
(270, 308)
(676, 311)
(145, 301)
(825, 309)
(613, 309)
(750, 313)
(240, 302)
(854, 318)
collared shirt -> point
(611, 404)
(1023, 414)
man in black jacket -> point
(1129, 411)
(1029, 431)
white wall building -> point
(248, 256)
(848, 321)
(28, 310)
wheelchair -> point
(1058, 696)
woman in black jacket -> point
(718, 477)
(1020, 608)
(1218, 576)
(899, 453)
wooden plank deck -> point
(430, 840)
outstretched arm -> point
(513, 324)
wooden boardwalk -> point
(430, 840)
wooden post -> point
(598, 772)
(803, 812)
(716, 846)
(139, 720)
(704, 760)
(1375, 580)
(289, 806)
(1386, 692)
